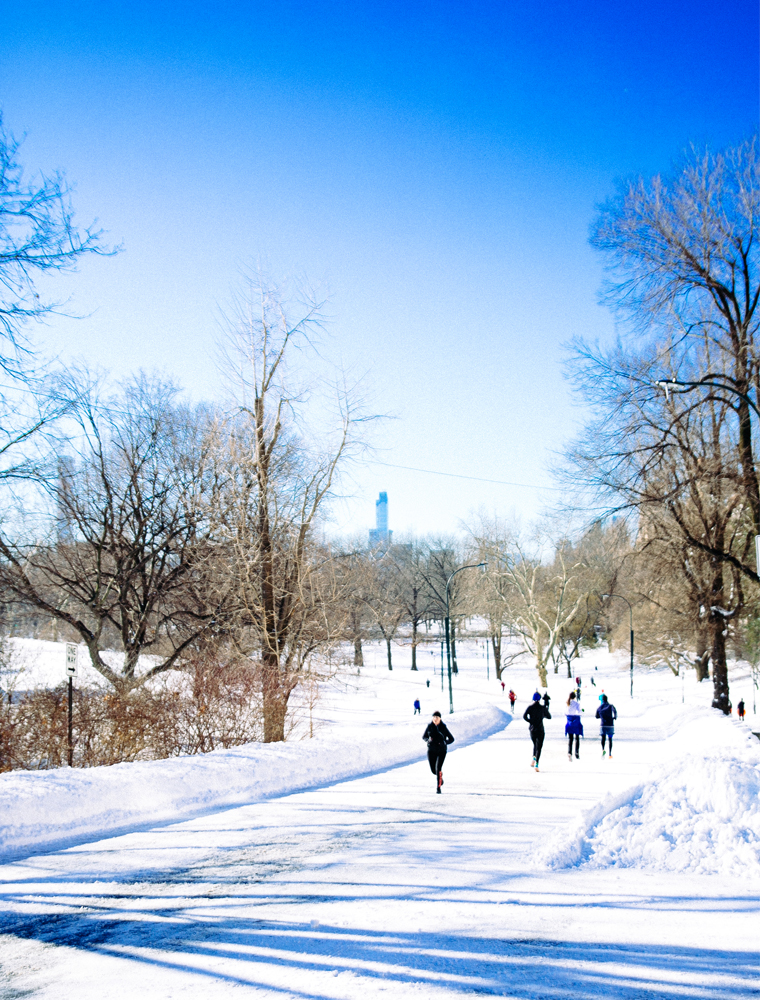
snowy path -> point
(378, 887)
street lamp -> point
(676, 386)
(630, 610)
(448, 627)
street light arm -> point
(669, 385)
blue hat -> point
(536, 696)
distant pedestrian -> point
(417, 706)
(573, 726)
(546, 699)
(578, 688)
(502, 685)
(607, 713)
(512, 698)
(534, 715)
(427, 682)
(438, 739)
(740, 709)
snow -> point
(87, 804)
(377, 887)
(698, 812)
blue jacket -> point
(607, 713)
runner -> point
(573, 726)
(512, 698)
(437, 738)
(534, 715)
(607, 713)
(417, 707)
(740, 709)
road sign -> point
(71, 659)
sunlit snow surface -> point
(379, 887)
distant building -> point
(379, 535)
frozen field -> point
(626, 878)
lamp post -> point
(448, 627)
(630, 611)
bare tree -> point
(540, 600)
(683, 257)
(676, 462)
(37, 235)
(118, 552)
(283, 482)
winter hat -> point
(536, 696)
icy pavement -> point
(378, 887)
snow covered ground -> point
(628, 878)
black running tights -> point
(570, 743)
(436, 757)
(607, 736)
(537, 735)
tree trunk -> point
(496, 645)
(719, 666)
(541, 667)
(702, 659)
(388, 647)
(275, 697)
(358, 652)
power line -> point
(457, 475)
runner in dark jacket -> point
(437, 738)
(607, 713)
(534, 715)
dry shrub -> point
(215, 703)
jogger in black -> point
(534, 715)
(437, 738)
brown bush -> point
(215, 703)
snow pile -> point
(43, 810)
(698, 813)
(701, 814)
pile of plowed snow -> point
(42, 810)
(699, 812)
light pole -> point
(448, 627)
(630, 610)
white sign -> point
(71, 659)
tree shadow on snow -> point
(465, 964)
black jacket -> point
(437, 736)
(607, 713)
(535, 714)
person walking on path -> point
(573, 726)
(740, 709)
(534, 715)
(438, 739)
(503, 685)
(512, 698)
(607, 713)
(417, 707)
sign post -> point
(71, 669)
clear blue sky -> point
(433, 165)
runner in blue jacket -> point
(607, 713)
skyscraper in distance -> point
(379, 535)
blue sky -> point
(433, 166)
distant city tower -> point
(379, 535)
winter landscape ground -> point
(633, 877)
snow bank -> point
(699, 812)
(43, 810)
